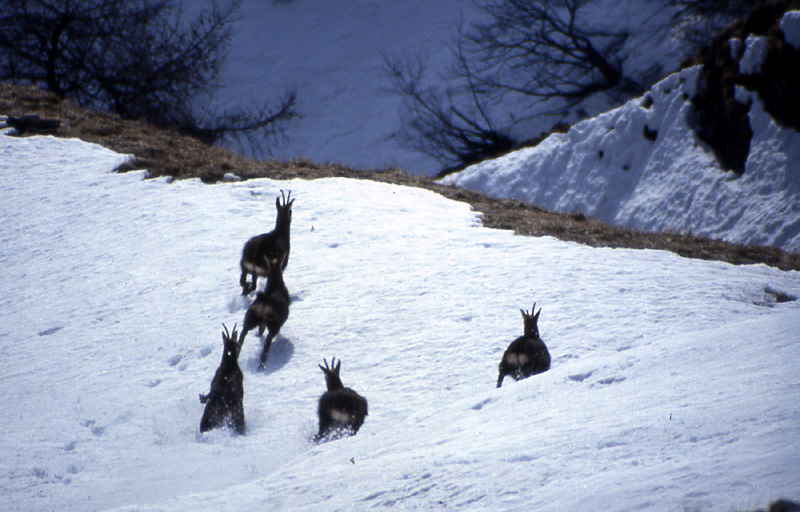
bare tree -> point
(137, 58)
(543, 49)
(696, 20)
(523, 53)
(435, 123)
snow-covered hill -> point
(642, 166)
(674, 383)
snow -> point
(755, 51)
(606, 167)
(790, 26)
(674, 381)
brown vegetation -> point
(167, 153)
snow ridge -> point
(641, 166)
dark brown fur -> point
(268, 246)
(526, 355)
(224, 402)
(270, 309)
(341, 410)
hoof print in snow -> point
(96, 429)
(580, 377)
(481, 404)
(52, 330)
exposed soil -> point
(167, 153)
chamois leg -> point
(500, 379)
(242, 336)
(211, 416)
(265, 351)
(246, 287)
(237, 419)
(324, 430)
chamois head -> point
(332, 374)
(284, 218)
(530, 321)
(231, 342)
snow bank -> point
(641, 166)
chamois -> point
(273, 245)
(224, 401)
(341, 410)
(270, 309)
(526, 355)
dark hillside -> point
(167, 153)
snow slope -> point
(674, 382)
(607, 167)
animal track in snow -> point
(580, 377)
(96, 429)
(174, 360)
(52, 330)
(481, 404)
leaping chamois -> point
(270, 309)
(268, 246)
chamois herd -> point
(341, 410)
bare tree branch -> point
(137, 58)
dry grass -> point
(167, 153)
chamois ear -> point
(336, 366)
(287, 200)
(325, 369)
(228, 336)
(536, 316)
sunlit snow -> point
(674, 382)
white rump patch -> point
(341, 417)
